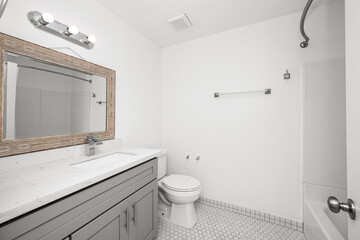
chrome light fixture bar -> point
(2, 6)
(46, 22)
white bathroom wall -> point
(325, 124)
(135, 59)
(249, 145)
(324, 139)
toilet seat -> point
(181, 183)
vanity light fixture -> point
(46, 22)
(46, 18)
(2, 6)
(90, 39)
(71, 30)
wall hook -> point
(287, 75)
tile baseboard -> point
(284, 222)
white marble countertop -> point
(26, 189)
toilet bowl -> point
(179, 192)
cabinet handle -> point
(126, 225)
(134, 218)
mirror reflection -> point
(43, 99)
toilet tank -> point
(162, 166)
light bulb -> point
(91, 39)
(72, 30)
(46, 18)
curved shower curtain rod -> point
(305, 43)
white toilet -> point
(178, 192)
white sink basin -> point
(110, 161)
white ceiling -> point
(207, 16)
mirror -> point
(50, 99)
(43, 99)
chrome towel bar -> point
(266, 91)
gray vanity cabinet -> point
(132, 219)
(122, 207)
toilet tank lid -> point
(179, 182)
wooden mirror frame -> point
(26, 145)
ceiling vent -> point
(179, 23)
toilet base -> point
(183, 215)
(164, 211)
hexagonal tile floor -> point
(215, 223)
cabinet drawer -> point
(59, 219)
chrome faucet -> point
(92, 141)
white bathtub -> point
(321, 224)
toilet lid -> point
(181, 183)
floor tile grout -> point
(215, 223)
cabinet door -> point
(114, 224)
(144, 224)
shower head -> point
(2, 6)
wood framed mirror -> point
(50, 99)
